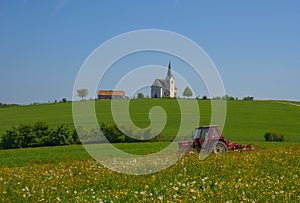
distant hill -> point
(246, 121)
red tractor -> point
(210, 138)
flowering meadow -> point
(262, 175)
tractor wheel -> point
(220, 148)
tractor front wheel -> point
(220, 148)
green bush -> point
(18, 137)
(58, 136)
(36, 135)
(274, 137)
(110, 131)
(204, 97)
(39, 134)
(75, 138)
(114, 135)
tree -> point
(227, 97)
(248, 98)
(64, 100)
(82, 93)
(187, 92)
(140, 95)
(217, 98)
(204, 97)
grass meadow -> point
(68, 174)
(270, 173)
(245, 121)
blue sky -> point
(254, 44)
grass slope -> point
(246, 121)
(58, 154)
(55, 155)
(266, 175)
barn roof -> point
(110, 93)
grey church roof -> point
(159, 83)
(162, 82)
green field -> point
(270, 173)
(54, 155)
(246, 121)
(68, 174)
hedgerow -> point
(40, 134)
(36, 135)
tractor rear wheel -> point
(220, 148)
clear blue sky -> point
(254, 44)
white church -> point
(164, 87)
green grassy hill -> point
(246, 121)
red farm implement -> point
(210, 138)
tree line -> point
(2, 105)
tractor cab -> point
(208, 135)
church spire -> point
(169, 71)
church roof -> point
(162, 82)
(159, 83)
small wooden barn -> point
(110, 94)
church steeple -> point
(169, 74)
